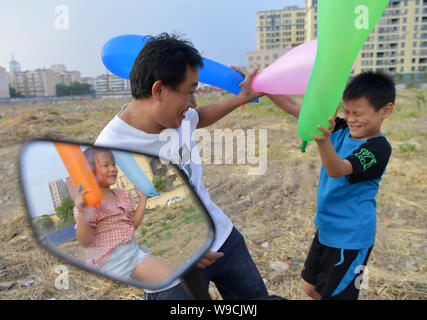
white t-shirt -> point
(177, 146)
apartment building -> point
(111, 83)
(35, 83)
(398, 43)
(281, 28)
(58, 191)
(263, 58)
(4, 83)
(68, 77)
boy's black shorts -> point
(335, 273)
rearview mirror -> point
(100, 236)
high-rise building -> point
(62, 76)
(398, 43)
(67, 77)
(35, 83)
(58, 190)
(111, 83)
(14, 65)
(4, 83)
(263, 58)
(58, 68)
(90, 81)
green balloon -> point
(343, 26)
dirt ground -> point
(274, 211)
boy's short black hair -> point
(378, 88)
(164, 57)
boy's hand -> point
(326, 132)
(246, 94)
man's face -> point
(363, 120)
(175, 103)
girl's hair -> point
(91, 152)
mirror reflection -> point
(126, 215)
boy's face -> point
(105, 169)
(175, 103)
(363, 120)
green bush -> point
(158, 183)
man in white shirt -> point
(164, 79)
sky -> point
(40, 33)
(40, 164)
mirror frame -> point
(136, 283)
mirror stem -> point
(195, 285)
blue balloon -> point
(119, 54)
(130, 168)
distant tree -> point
(64, 213)
(13, 93)
(62, 90)
(75, 88)
(45, 225)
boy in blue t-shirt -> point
(354, 156)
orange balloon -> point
(80, 172)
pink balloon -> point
(290, 73)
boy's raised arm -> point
(334, 165)
(286, 103)
(211, 113)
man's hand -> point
(246, 94)
(209, 258)
(326, 132)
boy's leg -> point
(333, 273)
(343, 279)
(310, 290)
(235, 274)
(311, 270)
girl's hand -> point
(326, 132)
(141, 196)
(79, 201)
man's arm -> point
(286, 103)
(334, 165)
(211, 113)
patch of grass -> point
(170, 216)
(265, 107)
(405, 112)
(398, 134)
(407, 147)
(77, 128)
(160, 252)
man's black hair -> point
(164, 57)
(378, 88)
